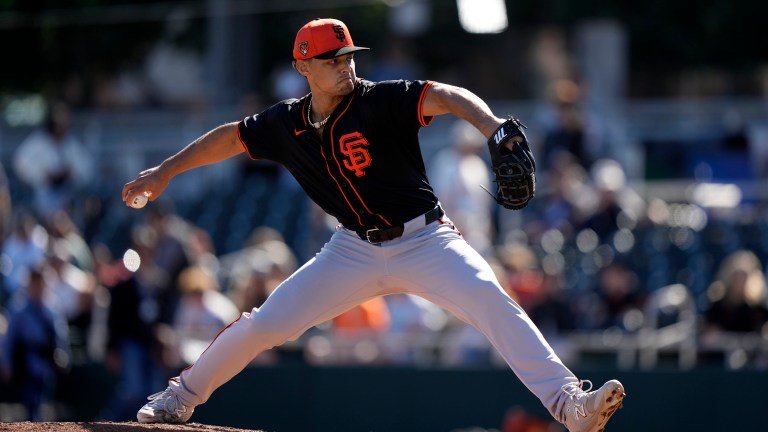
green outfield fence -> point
(301, 398)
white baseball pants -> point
(431, 261)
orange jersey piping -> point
(214, 339)
(328, 167)
(423, 121)
(333, 150)
(242, 143)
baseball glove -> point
(515, 169)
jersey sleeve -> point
(405, 100)
(258, 134)
(424, 120)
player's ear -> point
(301, 66)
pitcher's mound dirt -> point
(112, 427)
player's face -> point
(335, 76)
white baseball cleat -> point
(589, 411)
(164, 407)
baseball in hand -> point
(139, 201)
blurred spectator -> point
(53, 162)
(135, 352)
(107, 270)
(67, 283)
(248, 280)
(522, 274)
(282, 261)
(3, 331)
(257, 269)
(410, 313)
(66, 235)
(456, 173)
(617, 300)
(737, 297)
(368, 318)
(107, 273)
(560, 202)
(358, 333)
(170, 239)
(87, 326)
(568, 133)
(200, 249)
(615, 199)
(24, 249)
(169, 236)
(71, 294)
(552, 310)
(6, 207)
(35, 349)
(414, 323)
(201, 313)
(517, 419)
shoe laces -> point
(577, 388)
(573, 406)
(160, 397)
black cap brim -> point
(341, 51)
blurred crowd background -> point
(646, 245)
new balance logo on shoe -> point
(580, 410)
(589, 411)
(181, 412)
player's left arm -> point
(447, 99)
(511, 159)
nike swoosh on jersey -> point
(299, 132)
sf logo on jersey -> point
(352, 145)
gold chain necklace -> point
(319, 124)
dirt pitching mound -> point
(112, 427)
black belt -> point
(377, 235)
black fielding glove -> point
(515, 170)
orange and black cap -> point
(323, 38)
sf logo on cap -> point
(304, 48)
(339, 33)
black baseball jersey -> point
(367, 170)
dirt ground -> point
(112, 427)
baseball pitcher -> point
(353, 146)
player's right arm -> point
(215, 146)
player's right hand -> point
(150, 181)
